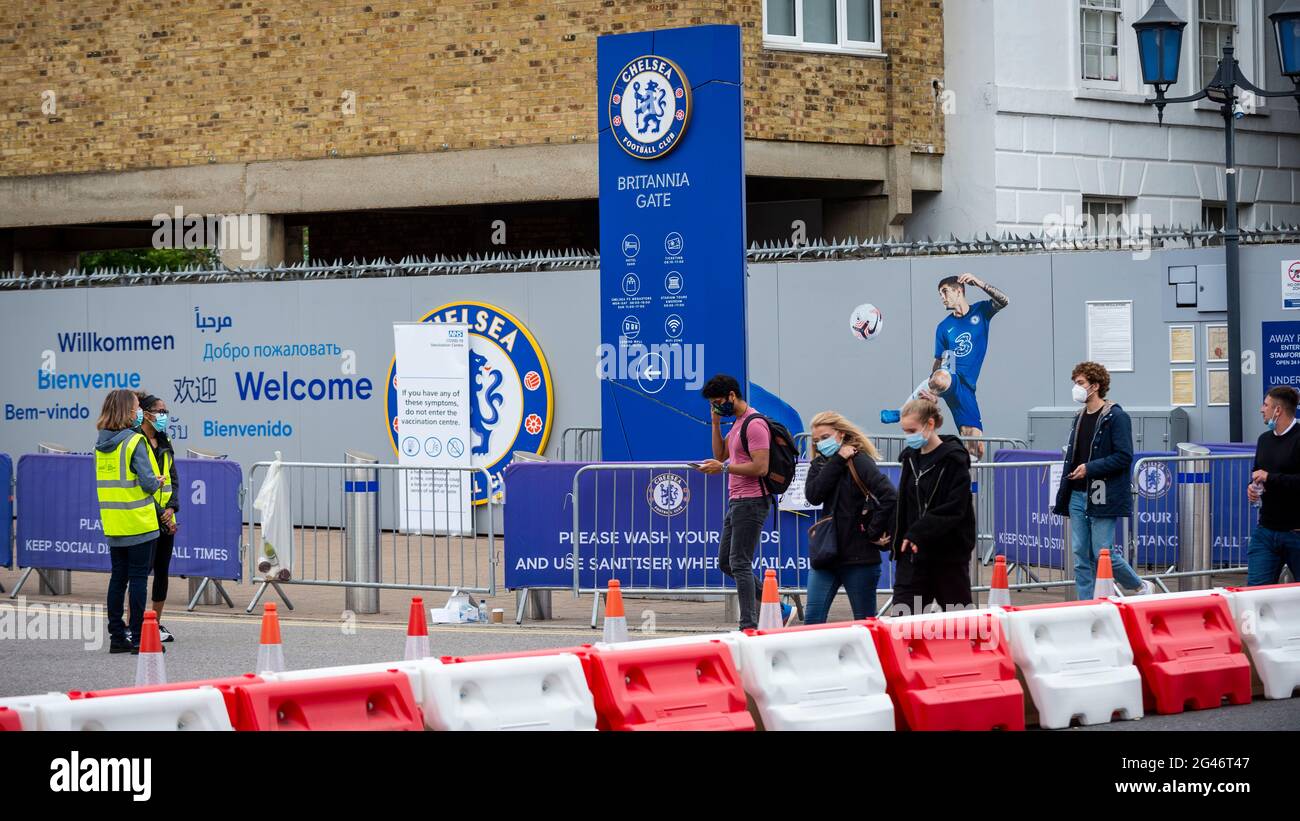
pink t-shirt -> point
(760, 438)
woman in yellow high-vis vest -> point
(155, 431)
(126, 479)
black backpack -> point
(781, 456)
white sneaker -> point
(1146, 589)
(165, 635)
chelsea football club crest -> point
(511, 404)
(649, 107)
(1154, 480)
(667, 494)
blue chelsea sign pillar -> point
(672, 235)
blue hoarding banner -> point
(6, 511)
(58, 516)
(645, 527)
(1281, 354)
(672, 235)
(1025, 530)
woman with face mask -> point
(934, 528)
(844, 480)
(155, 432)
(126, 478)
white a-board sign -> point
(433, 427)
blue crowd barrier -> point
(631, 535)
(6, 511)
(59, 527)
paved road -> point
(211, 646)
(215, 646)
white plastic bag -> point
(275, 556)
(460, 609)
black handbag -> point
(823, 543)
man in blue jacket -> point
(1096, 491)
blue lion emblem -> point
(483, 396)
(649, 106)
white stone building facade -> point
(1046, 121)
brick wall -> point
(162, 83)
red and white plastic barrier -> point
(1076, 661)
(25, 708)
(816, 679)
(522, 693)
(162, 710)
(1268, 621)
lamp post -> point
(1160, 42)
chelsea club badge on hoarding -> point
(649, 107)
(511, 403)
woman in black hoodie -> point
(934, 530)
(840, 478)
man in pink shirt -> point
(748, 501)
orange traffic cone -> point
(615, 620)
(417, 632)
(999, 590)
(270, 654)
(769, 613)
(1105, 577)
(150, 669)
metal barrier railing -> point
(1014, 518)
(580, 445)
(891, 445)
(421, 534)
(1207, 492)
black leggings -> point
(162, 559)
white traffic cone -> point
(615, 620)
(270, 654)
(150, 669)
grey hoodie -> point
(108, 442)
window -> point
(822, 25)
(1213, 216)
(1099, 26)
(1217, 20)
(1103, 217)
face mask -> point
(726, 408)
(1271, 425)
(827, 446)
(160, 423)
(139, 417)
(1079, 394)
(916, 440)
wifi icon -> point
(673, 325)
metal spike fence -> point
(580, 259)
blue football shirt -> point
(968, 337)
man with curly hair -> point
(1096, 491)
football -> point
(866, 322)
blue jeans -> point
(859, 581)
(1089, 535)
(130, 569)
(1268, 551)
